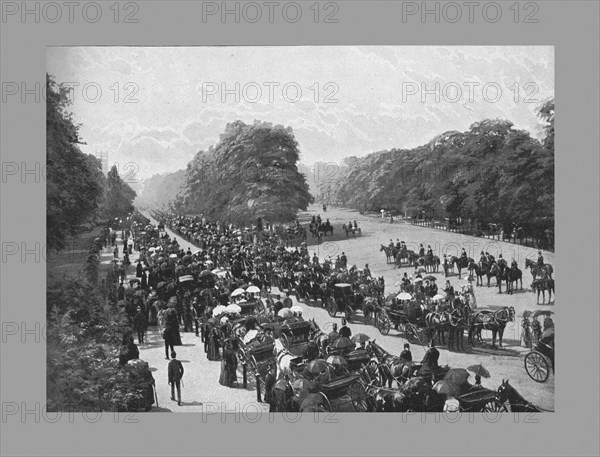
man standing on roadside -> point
(175, 375)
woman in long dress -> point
(213, 345)
(228, 376)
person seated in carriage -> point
(429, 252)
(345, 330)
(367, 271)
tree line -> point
(491, 174)
(77, 190)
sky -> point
(155, 107)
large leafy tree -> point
(74, 180)
(252, 172)
(119, 196)
(490, 174)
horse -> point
(461, 263)
(490, 320)
(480, 271)
(518, 404)
(404, 253)
(349, 229)
(451, 322)
(494, 271)
(389, 253)
(392, 368)
(545, 270)
(543, 285)
(283, 361)
(514, 275)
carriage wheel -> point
(383, 322)
(537, 366)
(494, 406)
(358, 396)
(331, 306)
(285, 341)
(411, 333)
(326, 403)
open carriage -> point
(345, 390)
(256, 358)
(480, 400)
(408, 317)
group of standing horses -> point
(499, 269)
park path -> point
(203, 393)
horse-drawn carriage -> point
(345, 299)
(408, 317)
(257, 358)
(479, 400)
(540, 360)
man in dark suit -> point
(175, 371)
(430, 360)
(406, 355)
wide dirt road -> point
(202, 392)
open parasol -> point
(233, 309)
(404, 296)
(237, 292)
(343, 343)
(317, 366)
(219, 309)
(457, 376)
(253, 290)
(360, 338)
(296, 309)
(285, 313)
(343, 284)
(439, 297)
(337, 361)
(173, 256)
(446, 387)
(479, 370)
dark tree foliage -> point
(74, 180)
(490, 174)
(119, 196)
(252, 172)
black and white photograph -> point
(301, 229)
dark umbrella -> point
(457, 376)
(206, 274)
(430, 278)
(360, 338)
(343, 343)
(317, 366)
(540, 312)
(479, 370)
